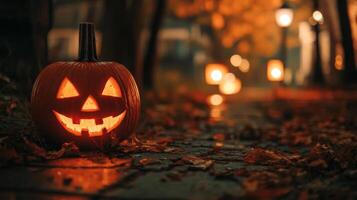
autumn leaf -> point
(263, 156)
(197, 163)
(68, 149)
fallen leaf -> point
(250, 185)
(321, 164)
(68, 149)
(197, 163)
(157, 145)
(263, 156)
(148, 161)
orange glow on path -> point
(215, 100)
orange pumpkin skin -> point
(89, 79)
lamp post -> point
(284, 17)
(317, 75)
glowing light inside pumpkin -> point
(214, 73)
(90, 126)
(215, 100)
(230, 84)
(275, 70)
(67, 90)
(90, 105)
(111, 88)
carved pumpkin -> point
(89, 102)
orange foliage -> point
(235, 21)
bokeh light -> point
(275, 70)
(214, 73)
(236, 60)
(230, 84)
(244, 66)
(317, 16)
(284, 17)
(215, 100)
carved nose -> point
(90, 105)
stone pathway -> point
(189, 150)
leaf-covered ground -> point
(186, 149)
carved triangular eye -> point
(67, 90)
(111, 88)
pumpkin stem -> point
(87, 49)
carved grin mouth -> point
(90, 127)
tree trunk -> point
(350, 66)
(137, 12)
(150, 57)
(23, 40)
(115, 43)
(121, 27)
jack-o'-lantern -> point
(93, 103)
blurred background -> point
(214, 46)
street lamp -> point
(317, 75)
(284, 17)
